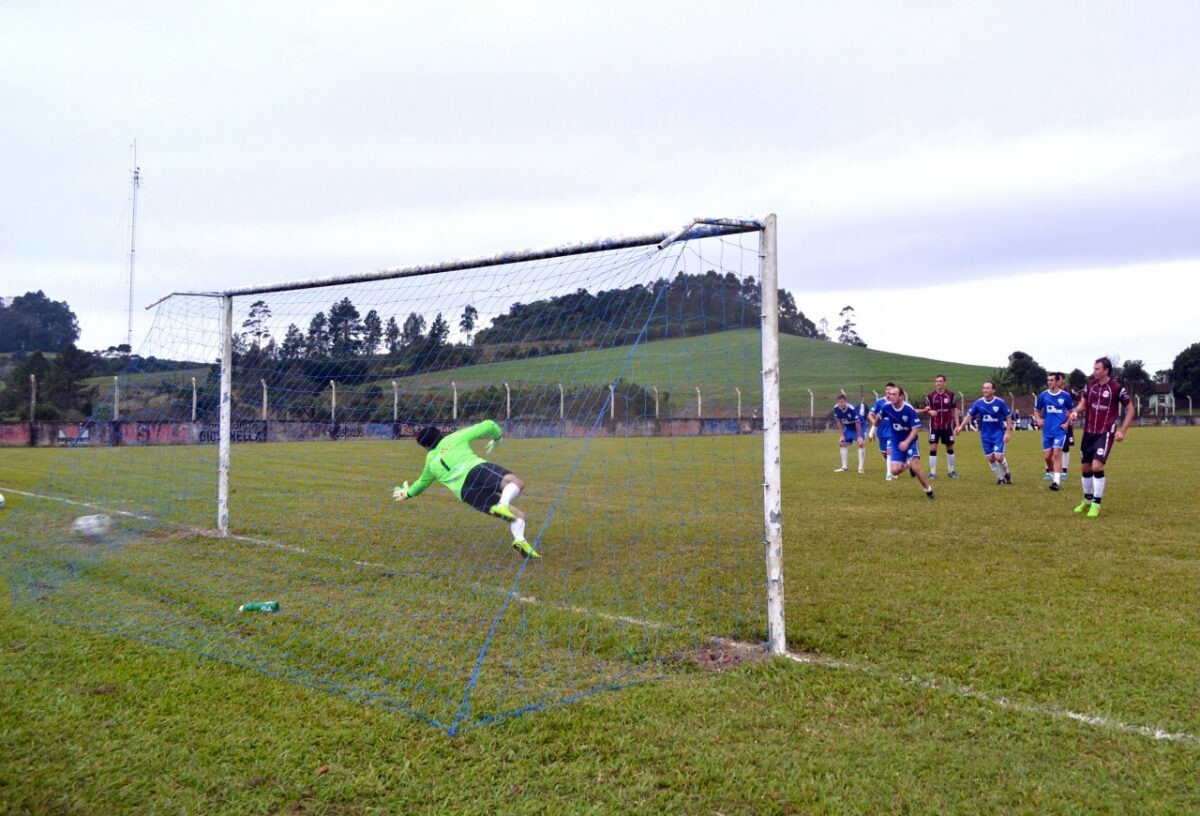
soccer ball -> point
(1, 501)
(91, 526)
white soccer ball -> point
(92, 526)
(1, 500)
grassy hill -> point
(716, 363)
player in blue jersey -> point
(852, 432)
(905, 425)
(995, 429)
(1052, 409)
(882, 431)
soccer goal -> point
(254, 447)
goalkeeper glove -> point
(400, 493)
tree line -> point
(38, 336)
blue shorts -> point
(885, 440)
(992, 443)
(849, 434)
(904, 454)
(1053, 438)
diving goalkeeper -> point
(484, 485)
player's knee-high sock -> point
(1066, 459)
(1097, 485)
(862, 454)
(932, 464)
(1004, 464)
(518, 528)
(950, 461)
(1087, 486)
(995, 466)
(845, 458)
(509, 493)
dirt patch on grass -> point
(720, 654)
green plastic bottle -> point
(259, 606)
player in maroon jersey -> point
(942, 406)
(1102, 400)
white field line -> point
(932, 684)
(968, 693)
(74, 503)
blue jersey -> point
(885, 429)
(847, 416)
(990, 415)
(900, 422)
(1054, 408)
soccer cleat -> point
(525, 548)
(953, 474)
(929, 495)
(1094, 510)
(1054, 486)
(999, 481)
(932, 476)
(1008, 478)
(860, 470)
(503, 511)
(1083, 505)
(1047, 477)
(840, 470)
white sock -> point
(1056, 476)
(518, 528)
(861, 456)
(845, 458)
(1066, 460)
(950, 461)
(1004, 464)
(996, 469)
(1098, 486)
(1087, 484)
(509, 493)
(932, 465)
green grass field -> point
(986, 652)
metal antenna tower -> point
(137, 181)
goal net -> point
(251, 451)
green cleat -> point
(1083, 505)
(1095, 510)
(503, 511)
(525, 548)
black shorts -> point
(481, 489)
(1096, 447)
(944, 435)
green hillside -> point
(716, 363)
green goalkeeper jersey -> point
(452, 459)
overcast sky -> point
(972, 177)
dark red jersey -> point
(942, 405)
(1104, 404)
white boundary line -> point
(932, 684)
(968, 693)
